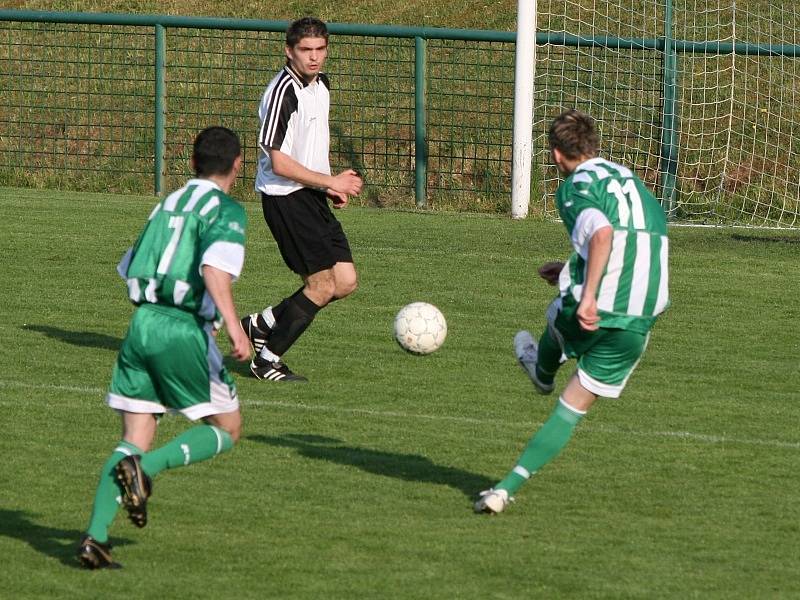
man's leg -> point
(201, 442)
(94, 549)
(137, 435)
(294, 314)
(543, 447)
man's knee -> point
(346, 287)
(231, 423)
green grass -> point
(359, 484)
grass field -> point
(359, 484)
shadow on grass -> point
(408, 467)
(58, 543)
(237, 366)
(781, 239)
(77, 338)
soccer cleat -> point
(493, 501)
(273, 371)
(95, 555)
(136, 488)
(527, 352)
(258, 337)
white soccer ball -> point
(420, 328)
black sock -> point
(295, 318)
(277, 311)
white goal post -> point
(524, 66)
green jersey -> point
(194, 226)
(634, 286)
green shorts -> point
(169, 362)
(606, 357)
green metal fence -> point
(112, 102)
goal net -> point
(702, 99)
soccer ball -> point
(420, 328)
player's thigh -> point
(132, 387)
(179, 365)
(605, 367)
(309, 236)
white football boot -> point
(527, 352)
(493, 501)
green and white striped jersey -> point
(194, 226)
(634, 286)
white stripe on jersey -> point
(155, 210)
(610, 282)
(210, 205)
(179, 291)
(641, 274)
(134, 292)
(172, 199)
(595, 168)
(663, 284)
(150, 291)
(582, 178)
(198, 193)
(271, 122)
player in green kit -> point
(612, 289)
(179, 275)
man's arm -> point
(599, 251)
(220, 287)
(346, 183)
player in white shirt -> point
(295, 182)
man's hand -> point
(347, 183)
(550, 271)
(338, 200)
(587, 315)
(240, 344)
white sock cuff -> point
(268, 317)
(522, 472)
(571, 409)
(267, 355)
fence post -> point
(669, 133)
(420, 133)
(160, 108)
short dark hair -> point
(574, 134)
(215, 150)
(307, 27)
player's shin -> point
(544, 446)
(194, 445)
(293, 321)
(106, 498)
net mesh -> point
(737, 130)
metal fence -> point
(112, 102)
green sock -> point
(549, 358)
(106, 498)
(194, 445)
(543, 447)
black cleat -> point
(258, 337)
(136, 488)
(94, 555)
(273, 371)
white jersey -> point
(294, 120)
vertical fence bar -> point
(160, 108)
(420, 133)
(669, 132)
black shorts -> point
(309, 237)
